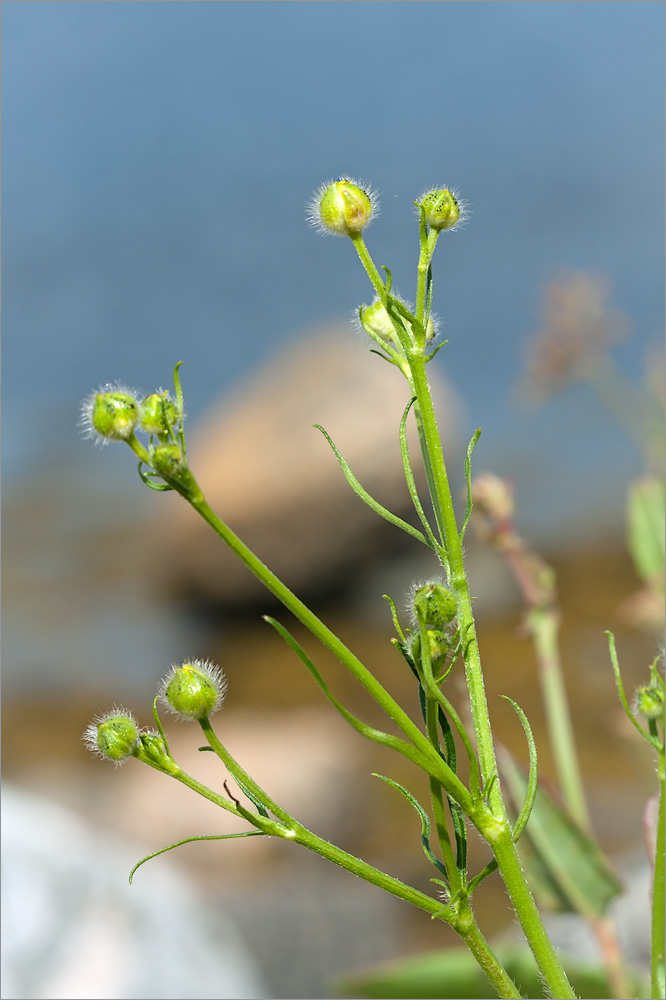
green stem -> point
(428, 242)
(445, 514)
(461, 919)
(658, 893)
(544, 627)
(477, 944)
(437, 800)
(241, 776)
(521, 897)
(426, 757)
(500, 838)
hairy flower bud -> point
(435, 605)
(342, 207)
(649, 702)
(442, 208)
(438, 647)
(376, 321)
(194, 690)
(114, 735)
(158, 413)
(167, 460)
(110, 414)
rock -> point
(273, 478)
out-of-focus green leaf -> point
(646, 527)
(565, 866)
(455, 973)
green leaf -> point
(394, 616)
(191, 840)
(409, 478)
(454, 973)
(158, 487)
(425, 824)
(432, 354)
(646, 527)
(376, 735)
(651, 739)
(565, 865)
(532, 779)
(468, 479)
(370, 501)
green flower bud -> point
(435, 605)
(342, 207)
(158, 413)
(376, 321)
(168, 460)
(151, 750)
(110, 414)
(442, 208)
(438, 646)
(114, 736)
(649, 702)
(194, 690)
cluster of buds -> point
(649, 702)
(435, 608)
(345, 207)
(114, 413)
(191, 690)
(376, 321)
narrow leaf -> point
(425, 824)
(484, 873)
(432, 354)
(409, 477)
(366, 498)
(394, 616)
(376, 735)
(158, 487)
(532, 779)
(623, 698)
(468, 478)
(190, 840)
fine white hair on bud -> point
(433, 602)
(109, 413)
(375, 320)
(113, 735)
(444, 208)
(343, 207)
(194, 689)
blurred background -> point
(157, 161)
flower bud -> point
(114, 735)
(376, 321)
(442, 208)
(435, 605)
(194, 690)
(158, 413)
(167, 460)
(342, 207)
(649, 702)
(438, 647)
(110, 414)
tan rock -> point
(273, 478)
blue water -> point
(158, 156)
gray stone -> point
(274, 480)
